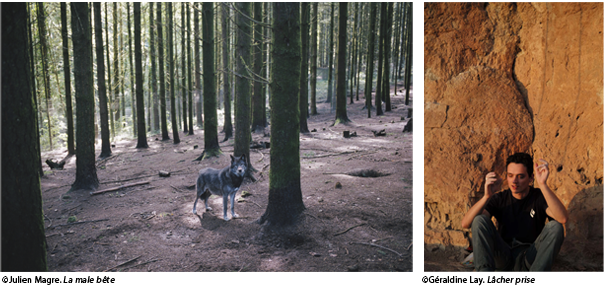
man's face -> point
(518, 179)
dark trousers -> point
(492, 253)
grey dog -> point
(224, 182)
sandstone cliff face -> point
(502, 78)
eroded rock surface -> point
(502, 78)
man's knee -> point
(480, 223)
(554, 230)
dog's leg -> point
(205, 196)
(195, 204)
(225, 201)
(233, 205)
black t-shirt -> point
(521, 219)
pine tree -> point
(23, 239)
(86, 177)
(210, 124)
(285, 194)
(100, 76)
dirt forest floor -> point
(365, 225)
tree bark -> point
(330, 51)
(140, 104)
(183, 57)
(341, 115)
(379, 84)
(242, 105)
(198, 68)
(189, 78)
(210, 125)
(100, 76)
(228, 123)
(303, 100)
(116, 66)
(44, 58)
(285, 195)
(171, 69)
(162, 75)
(133, 91)
(153, 59)
(257, 107)
(23, 239)
(387, 41)
(370, 53)
(67, 73)
(409, 50)
(313, 60)
(86, 177)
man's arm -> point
(489, 187)
(555, 208)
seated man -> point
(523, 242)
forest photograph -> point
(190, 137)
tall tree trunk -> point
(242, 106)
(257, 107)
(379, 84)
(341, 115)
(210, 124)
(330, 51)
(30, 49)
(189, 79)
(116, 66)
(399, 23)
(183, 56)
(313, 60)
(370, 52)
(171, 69)
(140, 104)
(198, 68)
(285, 194)
(153, 58)
(353, 42)
(44, 57)
(162, 76)
(100, 76)
(387, 41)
(360, 45)
(228, 124)
(409, 50)
(304, 24)
(86, 177)
(265, 61)
(67, 73)
(23, 239)
(133, 105)
(109, 86)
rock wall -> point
(502, 78)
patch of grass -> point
(309, 154)
(72, 219)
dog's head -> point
(238, 165)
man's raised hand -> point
(541, 172)
(492, 184)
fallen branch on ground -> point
(126, 180)
(118, 188)
(329, 155)
(82, 222)
(340, 233)
(150, 261)
(118, 265)
(379, 246)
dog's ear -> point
(232, 158)
(243, 157)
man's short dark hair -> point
(522, 158)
